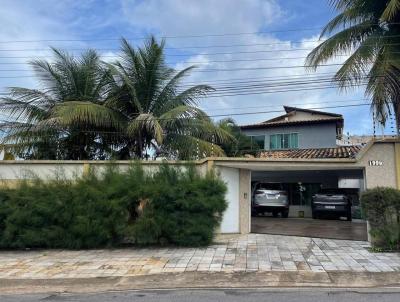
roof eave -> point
(338, 121)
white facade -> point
(230, 221)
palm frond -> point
(341, 43)
(188, 147)
(74, 112)
(392, 9)
(190, 95)
(347, 18)
(356, 67)
(16, 109)
(383, 89)
(144, 125)
(164, 100)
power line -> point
(260, 87)
(281, 81)
(214, 61)
(263, 112)
(178, 36)
(260, 91)
(250, 80)
(200, 62)
(221, 69)
(193, 54)
(175, 55)
(230, 80)
(162, 37)
(281, 91)
(257, 87)
(281, 104)
(261, 84)
(288, 43)
(235, 114)
(237, 68)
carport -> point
(376, 164)
(301, 185)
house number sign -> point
(375, 163)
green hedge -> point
(106, 209)
(381, 207)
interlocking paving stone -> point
(254, 252)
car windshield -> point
(332, 191)
(270, 186)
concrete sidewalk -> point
(270, 256)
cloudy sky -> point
(234, 43)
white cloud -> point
(34, 22)
(180, 18)
(191, 17)
(45, 19)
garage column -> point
(244, 200)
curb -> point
(202, 280)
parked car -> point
(270, 198)
(333, 202)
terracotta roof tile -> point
(337, 152)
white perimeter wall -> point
(13, 170)
(230, 221)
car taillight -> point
(283, 193)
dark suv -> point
(331, 202)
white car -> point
(270, 198)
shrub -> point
(103, 209)
(59, 214)
(381, 207)
(183, 208)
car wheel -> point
(285, 214)
(314, 215)
(275, 213)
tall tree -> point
(66, 119)
(161, 112)
(369, 31)
(241, 145)
(88, 109)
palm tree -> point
(92, 110)
(369, 31)
(67, 119)
(241, 145)
(160, 112)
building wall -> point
(310, 136)
(380, 176)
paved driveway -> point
(254, 252)
(319, 228)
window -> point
(284, 141)
(259, 140)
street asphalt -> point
(237, 295)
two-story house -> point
(297, 129)
(303, 134)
